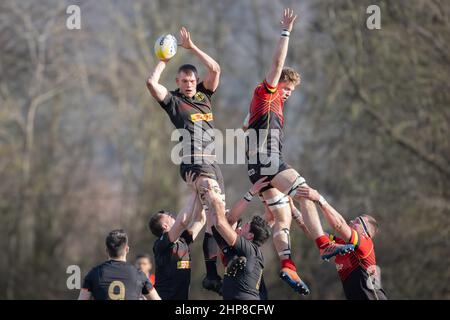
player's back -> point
(115, 280)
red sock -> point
(288, 263)
(322, 241)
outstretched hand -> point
(261, 183)
(185, 38)
(211, 192)
(287, 22)
(308, 193)
(190, 180)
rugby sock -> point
(288, 263)
(210, 254)
(322, 241)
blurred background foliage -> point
(85, 149)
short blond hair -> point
(290, 75)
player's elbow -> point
(215, 69)
(150, 83)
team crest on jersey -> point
(201, 117)
(199, 96)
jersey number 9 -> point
(116, 296)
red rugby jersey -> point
(363, 256)
(266, 112)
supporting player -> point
(171, 249)
(265, 158)
(116, 279)
(358, 269)
(230, 259)
(190, 109)
(245, 283)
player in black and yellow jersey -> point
(171, 249)
(189, 108)
(116, 279)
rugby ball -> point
(166, 47)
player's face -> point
(245, 231)
(144, 265)
(187, 83)
(356, 224)
(167, 221)
(286, 89)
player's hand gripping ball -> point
(166, 47)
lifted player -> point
(190, 108)
(265, 159)
(357, 270)
(116, 279)
(171, 249)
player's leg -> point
(288, 181)
(278, 204)
(212, 280)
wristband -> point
(285, 33)
(248, 196)
(322, 201)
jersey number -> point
(116, 296)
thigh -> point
(284, 179)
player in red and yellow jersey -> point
(357, 269)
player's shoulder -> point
(263, 88)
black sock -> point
(210, 254)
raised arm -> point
(198, 219)
(217, 212)
(157, 90)
(185, 216)
(237, 210)
(298, 218)
(287, 22)
(211, 81)
(334, 218)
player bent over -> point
(171, 249)
(265, 159)
(116, 279)
(357, 269)
(189, 107)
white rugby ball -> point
(166, 47)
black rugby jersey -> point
(194, 115)
(117, 280)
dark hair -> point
(260, 229)
(143, 256)
(188, 68)
(116, 242)
(155, 225)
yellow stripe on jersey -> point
(355, 238)
(183, 265)
(271, 90)
(201, 117)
